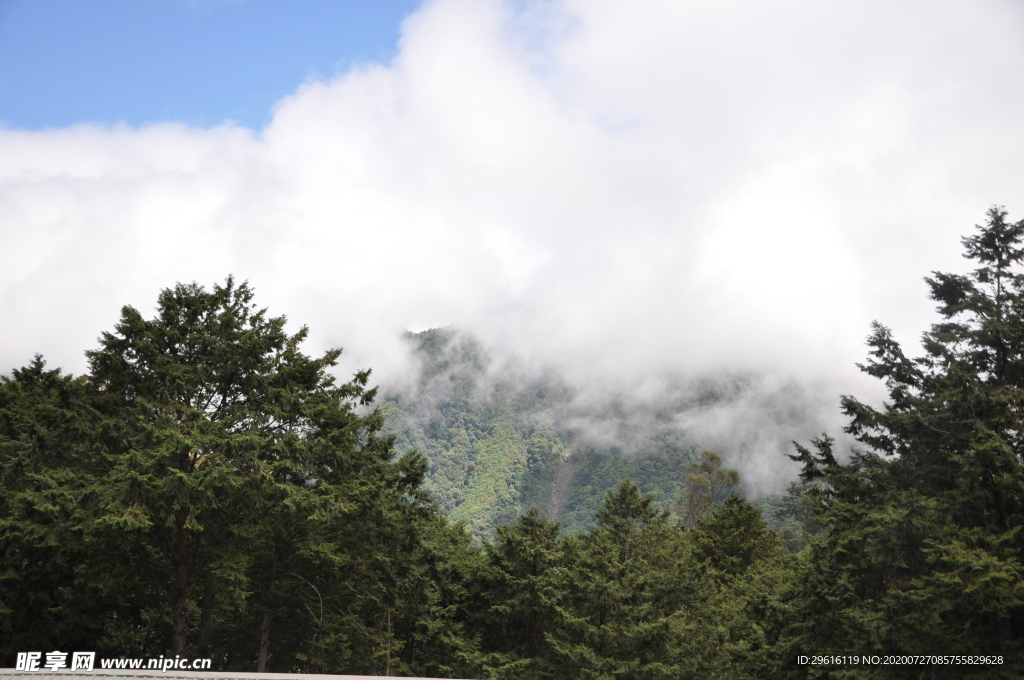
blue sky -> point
(195, 61)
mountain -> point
(501, 438)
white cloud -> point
(621, 189)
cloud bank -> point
(621, 190)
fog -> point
(624, 193)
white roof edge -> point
(11, 674)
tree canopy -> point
(203, 488)
(924, 547)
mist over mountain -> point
(623, 191)
(502, 436)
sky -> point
(198, 62)
(619, 191)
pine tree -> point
(209, 489)
(217, 436)
(924, 551)
(615, 616)
(518, 591)
(46, 422)
(733, 538)
(731, 577)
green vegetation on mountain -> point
(497, 442)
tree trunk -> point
(268, 615)
(207, 612)
(261, 663)
(179, 602)
(387, 663)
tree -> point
(614, 619)
(734, 571)
(518, 590)
(923, 550)
(706, 486)
(734, 538)
(209, 488)
(46, 418)
(218, 431)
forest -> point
(497, 439)
(208, 489)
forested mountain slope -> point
(500, 440)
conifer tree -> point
(614, 620)
(731, 575)
(46, 421)
(924, 550)
(209, 489)
(518, 591)
(733, 538)
(218, 432)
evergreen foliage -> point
(518, 591)
(209, 489)
(923, 544)
(148, 511)
(45, 424)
